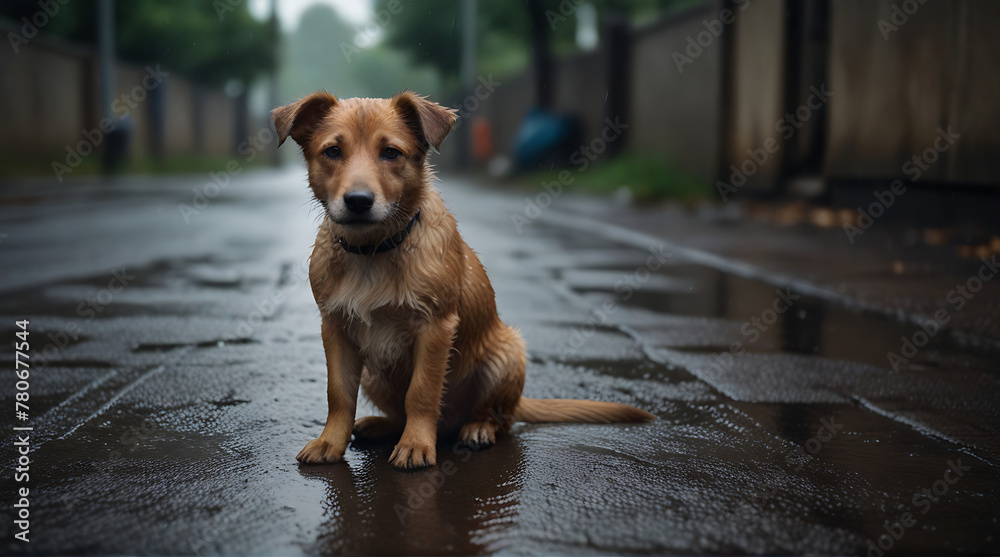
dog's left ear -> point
(299, 118)
(429, 121)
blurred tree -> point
(311, 58)
(428, 30)
(323, 52)
(209, 41)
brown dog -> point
(406, 304)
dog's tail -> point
(588, 411)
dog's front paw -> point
(319, 451)
(411, 456)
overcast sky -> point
(353, 11)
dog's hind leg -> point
(478, 435)
(372, 428)
(501, 381)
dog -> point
(408, 313)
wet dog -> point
(407, 309)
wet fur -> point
(415, 327)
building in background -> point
(800, 97)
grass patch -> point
(647, 177)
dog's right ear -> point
(299, 118)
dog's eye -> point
(333, 152)
(391, 154)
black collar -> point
(385, 245)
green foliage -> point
(646, 176)
(197, 38)
(211, 41)
(430, 30)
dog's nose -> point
(359, 201)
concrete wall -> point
(49, 93)
(893, 91)
(676, 111)
(890, 95)
(580, 90)
(44, 98)
(757, 97)
(129, 83)
(670, 113)
(180, 131)
(506, 107)
(219, 131)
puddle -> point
(635, 369)
(174, 287)
(780, 320)
(935, 400)
(449, 509)
(167, 347)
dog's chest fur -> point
(378, 316)
(386, 341)
(382, 307)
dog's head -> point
(366, 157)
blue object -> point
(542, 134)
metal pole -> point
(467, 76)
(272, 80)
(541, 57)
(106, 53)
(468, 69)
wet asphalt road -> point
(177, 369)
